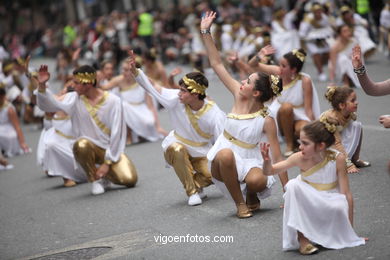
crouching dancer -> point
(98, 125)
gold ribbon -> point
(92, 110)
(61, 118)
(330, 156)
(134, 85)
(262, 112)
(237, 142)
(322, 186)
(63, 135)
(189, 142)
(195, 117)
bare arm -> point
(171, 79)
(271, 169)
(370, 87)
(344, 184)
(333, 61)
(308, 97)
(13, 117)
(256, 61)
(114, 82)
(271, 130)
(215, 60)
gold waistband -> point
(291, 104)
(238, 142)
(63, 135)
(322, 186)
(136, 103)
(60, 118)
(189, 142)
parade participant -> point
(235, 160)
(196, 122)
(154, 68)
(12, 140)
(298, 103)
(349, 132)
(318, 204)
(138, 110)
(98, 125)
(315, 29)
(340, 68)
(4, 165)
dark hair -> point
(85, 69)
(338, 95)
(199, 78)
(294, 61)
(339, 28)
(317, 132)
(263, 84)
(2, 91)
(151, 55)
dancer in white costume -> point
(12, 140)
(349, 132)
(298, 103)
(139, 112)
(47, 124)
(98, 125)
(340, 67)
(235, 160)
(318, 204)
(315, 30)
(196, 123)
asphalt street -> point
(39, 217)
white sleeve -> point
(48, 103)
(118, 133)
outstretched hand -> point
(207, 20)
(264, 149)
(43, 74)
(131, 62)
(25, 66)
(267, 50)
(357, 57)
(176, 71)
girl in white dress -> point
(298, 103)
(235, 160)
(318, 205)
(349, 132)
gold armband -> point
(108, 162)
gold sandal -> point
(309, 249)
(243, 211)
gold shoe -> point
(69, 183)
(243, 211)
(309, 249)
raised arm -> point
(370, 87)
(257, 62)
(114, 82)
(271, 169)
(215, 60)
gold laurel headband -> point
(194, 86)
(274, 84)
(330, 127)
(316, 7)
(345, 9)
(8, 67)
(330, 92)
(85, 77)
(298, 54)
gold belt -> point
(136, 103)
(322, 186)
(189, 142)
(291, 104)
(238, 142)
(63, 135)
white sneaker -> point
(194, 200)
(202, 195)
(97, 187)
(322, 77)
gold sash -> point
(237, 142)
(92, 110)
(195, 117)
(63, 135)
(189, 142)
(322, 186)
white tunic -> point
(248, 129)
(58, 158)
(315, 33)
(102, 124)
(200, 127)
(47, 124)
(137, 114)
(320, 214)
(9, 142)
(293, 94)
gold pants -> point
(87, 154)
(192, 171)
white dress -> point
(246, 132)
(9, 142)
(320, 214)
(58, 158)
(137, 114)
(293, 94)
(344, 64)
(47, 124)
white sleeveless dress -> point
(314, 206)
(8, 137)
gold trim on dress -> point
(330, 156)
(5, 104)
(292, 83)
(63, 135)
(298, 106)
(61, 118)
(189, 142)
(322, 186)
(135, 103)
(237, 142)
(134, 85)
(262, 112)
(194, 117)
(92, 110)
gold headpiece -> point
(274, 84)
(330, 92)
(299, 55)
(8, 67)
(85, 77)
(330, 127)
(194, 87)
(345, 8)
(316, 7)
(2, 85)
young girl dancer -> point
(318, 205)
(349, 132)
(235, 161)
